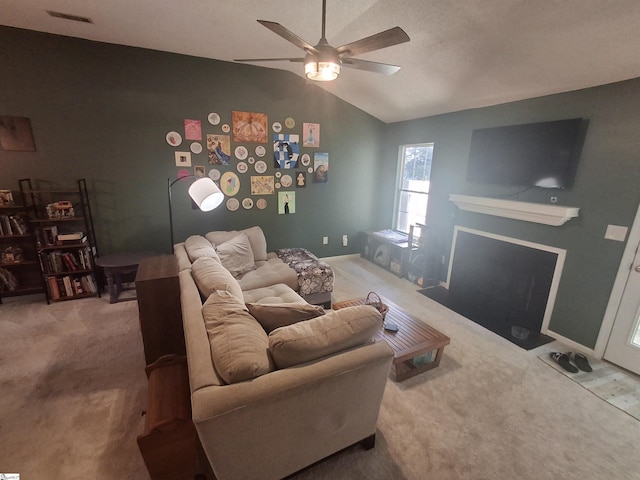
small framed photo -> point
(183, 159)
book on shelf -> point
(5, 224)
(70, 261)
(68, 288)
(54, 291)
(18, 225)
(72, 242)
(75, 236)
(77, 286)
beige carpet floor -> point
(73, 388)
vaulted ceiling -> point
(462, 54)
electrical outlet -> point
(325, 240)
(616, 232)
(345, 240)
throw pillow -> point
(319, 337)
(210, 275)
(256, 239)
(236, 255)
(197, 246)
(275, 315)
(239, 345)
(258, 243)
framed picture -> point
(320, 167)
(230, 184)
(301, 180)
(262, 185)
(250, 127)
(286, 202)
(192, 129)
(311, 135)
(219, 149)
(199, 171)
(183, 159)
(16, 134)
(286, 150)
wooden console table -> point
(169, 442)
(159, 307)
(417, 346)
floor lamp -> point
(204, 192)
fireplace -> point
(504, 284)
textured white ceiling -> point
(463, 53)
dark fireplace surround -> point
(500, 285)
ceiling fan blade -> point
(375, 67)
(298, 60)
(390, 37)
(289, 36)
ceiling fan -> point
(322, 62)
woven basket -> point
(374, 300)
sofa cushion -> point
(239, 345)
(210, 276)
(197, 246)
(274, 315)
(256, 239)
(269, 273)
(334, 332)
(278, 293)
(236, 255)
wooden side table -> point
(117, 264)
(159, 308)
(417, 346)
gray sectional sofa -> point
(276, 383)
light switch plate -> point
(616, 232)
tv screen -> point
(541, 154)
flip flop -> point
(563, 360)
(580, 360)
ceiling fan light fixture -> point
(322, 68)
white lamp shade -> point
(206, 194)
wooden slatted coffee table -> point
(417, 346)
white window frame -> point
(400, 187)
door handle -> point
(637, 269)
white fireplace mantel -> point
(555, 215)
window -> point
(413, 185)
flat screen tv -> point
(543, 154)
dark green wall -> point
(606, 190)
(101, 112)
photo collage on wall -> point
(235, 155)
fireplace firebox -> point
(504, 284)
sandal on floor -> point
(563, 360)
(580, 360)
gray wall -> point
(101, 112)
(606, 190)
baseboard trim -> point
(573, 344)
(343, 257)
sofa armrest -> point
(276, 424)
(210, 402)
